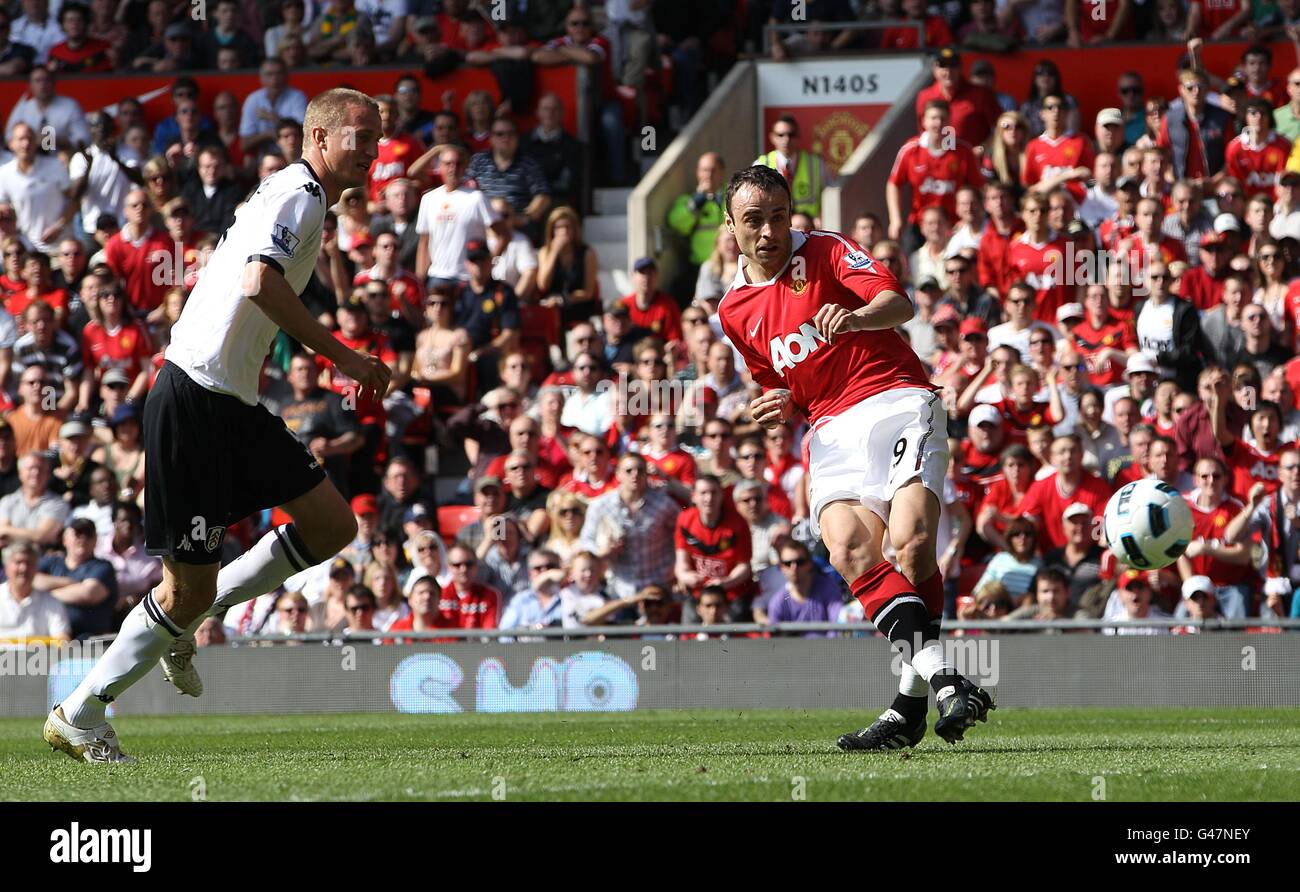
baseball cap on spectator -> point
(618, 309)
(477, 249)
(644, 263)
(1074, 509)
(365, 504)
(1127, 183)
(1226, 223)
(945, 315)
(484, 482)
(1198, 585)
(356, 302)
(124, 412)
(947, 57)
(1212, 238)
(985, 414)
(340, 566)
(116, 376)
(177, 30)
(973, 326)
(1138, 363)
(363, 241)
(415, 512)
(1069, 311)
(73, 428)
(1133, 577)
(1110, 117)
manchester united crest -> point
(798, 286)
(836, 137)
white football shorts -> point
(868, 452)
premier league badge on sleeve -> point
(858, 260)
(285, 240)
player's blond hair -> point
(329, 110)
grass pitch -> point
(1143, 754)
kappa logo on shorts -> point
(215, 535)
(285, 240)
(858, 260)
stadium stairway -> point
(606, 231)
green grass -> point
(1143, 754)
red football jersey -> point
(1017, 421)
(937, 33)
(976, 473)
(1046, 157)
(1142, 252)
(663, 317)
(677, 465)
(403, 288)
(393, 161)
(935, 176)
(1257, 166)
(128, 347)
(714, 552)
(973, 109)
(1209, 525)
(1097, 17)
(1041, 265)
(1215, 14)
(1114, 230)
(1248, 466)
(137, 264)
(1003, 500)
(369, 410)
(992, 263)
(586, 488)
(1091, 340)
(770, 323)
(546, 473)
(17, 303)
(478, 608)
(1044, 503)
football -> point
(1147, 524)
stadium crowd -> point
(1098, 302)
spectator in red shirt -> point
(40, 286)
(397, 151)
(667, 464)
(933, 165)
(1216, 19)
(1001, 230)
(525, 435)
(905, 37)
(1257, 155)
(713, 547)
(1249, 463)
(465, 603)
(650, 308)
(1202, 286)
(593, 474)
(1105, 342)
(1001, 501)
(136, 251)
(403, 286)
(1047, 499)
(1059, 156)
(1092, 22)
(114, 341)
(424, 598)
(78, 53)
(1209, 554)
(973, 109)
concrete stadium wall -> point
(725, 124)
(1215, 669)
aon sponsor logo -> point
(789, 351)
(933, 186)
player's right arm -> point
(266, 287)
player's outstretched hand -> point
(772, 408)
(833, 319)
(370, 373)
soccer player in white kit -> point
(813, 316)
(214, 454)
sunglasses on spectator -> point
(359, 608)
(796, 562)
(750, 456)
(458, 564)
(565, 512)
(1130, 90)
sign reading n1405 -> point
(825, 85)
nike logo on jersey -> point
(756, 325)
(793, 349)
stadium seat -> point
(452, 518)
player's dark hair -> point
(1167, 440)
(74, 7)
(764, 179)
(793, 544)
(1017, 451)
(1267, 406)
(941, 104)
(1261, 105)
(293, 125)
(789, 120)
(185, 82)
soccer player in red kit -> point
(813, 316)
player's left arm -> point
(885, 303)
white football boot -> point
(98, 745)
(178, 666)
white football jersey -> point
(222, 337)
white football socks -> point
(146, 634)
(263, 568)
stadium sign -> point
(836, 101)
